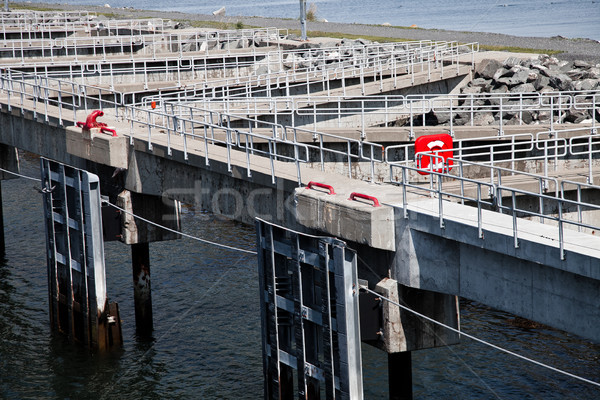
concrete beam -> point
(352, 220)
(404, 331)
(99, 147)
(160, 210)
(530, 280)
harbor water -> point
(206, 343)
(544, 18)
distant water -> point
(568, 18)
(207, 342)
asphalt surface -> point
(570, 49)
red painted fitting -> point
(321, 185)
(91, 122)
(105, 129)
(354, 195)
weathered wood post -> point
(9, 160)
(2, 248)
(142, 291)
(138, 232)
(400, 375)
(403, 332)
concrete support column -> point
(400, 375)
(142, 294)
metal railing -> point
(144, 70)
(318, 152)
(318, 67)
(184, 123)
(64, 94)
(489, 195)
(153, 44)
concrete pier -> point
(409, 239)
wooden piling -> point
(400, 375)
(142, 294)
(2, 247)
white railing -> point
(489, 195)
(154, 44)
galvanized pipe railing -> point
(156, 43)
(547, 203)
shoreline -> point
(568, 49)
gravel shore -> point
(570, 49)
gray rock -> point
(575, 74)
(462, 119)
(587, 84)
(499, 88)
(547, 61)
(481, 82)
(523, 88)
(521, 76)
(592, 73)
(582, 64)
(561, 82)
(565, 66)
(487, 68)
(471, 90)
(527, 117)
(541, 81)
(501, 73)
(510, 62)
(517, 78)
(442, 118)
(483, 119)
(262, 70)
(542, 116)
(532, 77)
(576, 116)
(524, 118)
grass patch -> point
(215, 24)
(383, 39)
(338, 35)
(514, 49)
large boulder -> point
(561, 82)
(541, 82)
(483, 119)
(487, 68)
(582, 64)
(576, 116)
(518, 77)
(523, 88)
(502, 72)
(471, 90)
(511, 62)
(587, 84)
(481, 82)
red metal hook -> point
(321, 185)
(354, 195)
